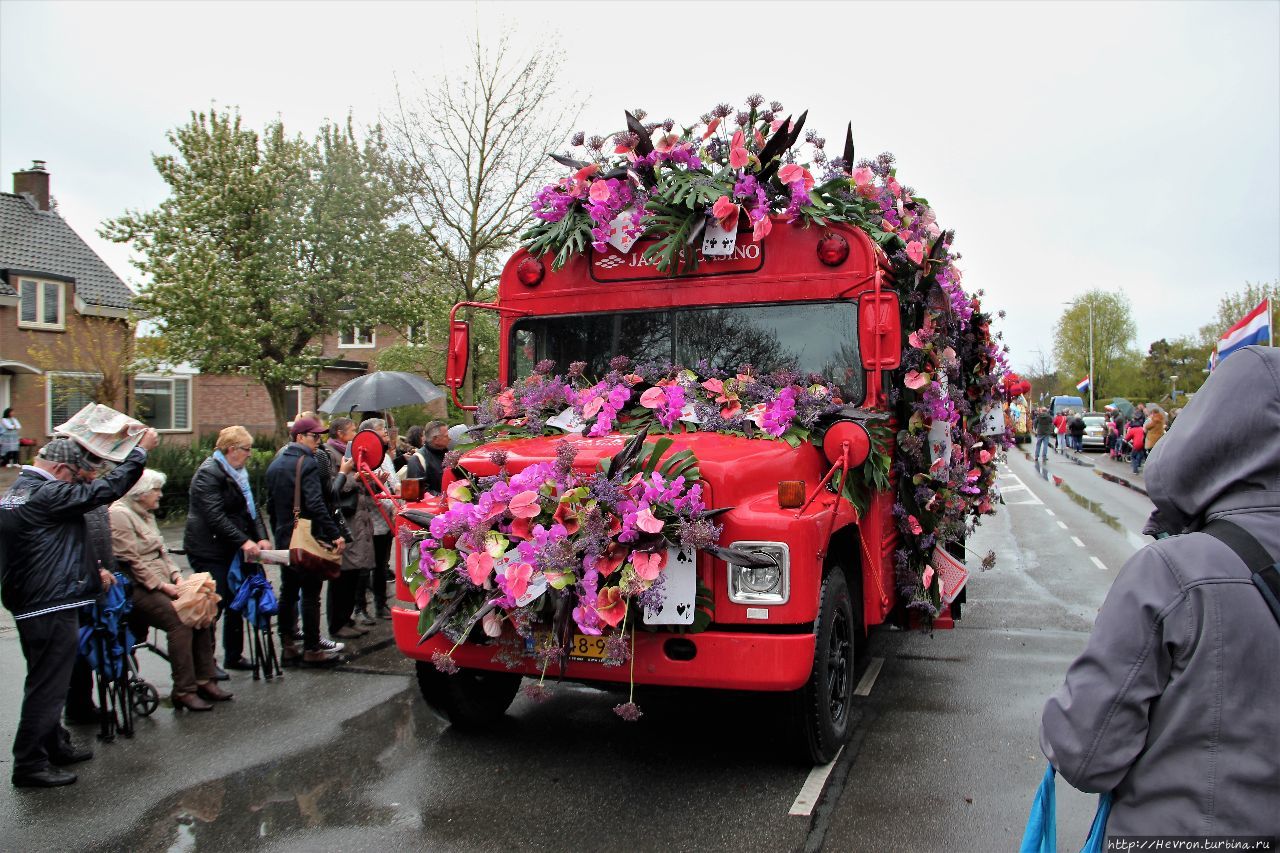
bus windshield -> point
(819, 338)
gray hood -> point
(1223, 452)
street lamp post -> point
(1173, 389)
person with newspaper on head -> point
(46, 576)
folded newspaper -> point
(103, 431)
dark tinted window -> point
(811, 338)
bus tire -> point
(470, 699)
(823, 708)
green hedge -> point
(180, 463)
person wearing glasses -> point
(224, 529)
(46, 576)
(308, 434)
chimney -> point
(34, 181)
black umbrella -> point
(385, 389)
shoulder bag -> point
(305, 552)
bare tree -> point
(467, 156)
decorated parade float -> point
(746, 412)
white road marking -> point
(1076, 540)
(1098, 563)
(869, 677)
(1046, 509)
(1033, 498)
(811, 790)
(1063, 526)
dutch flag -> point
(1254, 329)
(1083, 384)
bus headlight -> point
(764, 585)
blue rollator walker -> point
(107, 646)
(253, 598)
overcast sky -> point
(1132, 147)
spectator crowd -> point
(73, 524)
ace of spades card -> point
(718, 242)
(681, 588)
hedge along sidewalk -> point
(179, 465)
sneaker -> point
(321, 657)
(289, 652)
(362, 618)
(347, 632)
(330, 646)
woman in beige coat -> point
(140, 550)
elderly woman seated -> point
(140, 549)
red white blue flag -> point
(1254, 329)
(1083, 384)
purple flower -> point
(444, 663)
(628, 711)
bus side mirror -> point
(879, 331)
(459, 351)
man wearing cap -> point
(46, 576)
(307, 434)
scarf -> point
(340, 446)
(241, 477)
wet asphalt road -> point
(945, 756)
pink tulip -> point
(916, 380)
(647, 522)
(524, 505)
(915, 251)
(648, 565)
(726, 212)
(652, 398)
(599, 191)
(479, 566)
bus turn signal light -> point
(530, 272)
(833, 250)
(790, 493)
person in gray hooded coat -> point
(1175, 703)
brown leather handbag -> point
(306, 553)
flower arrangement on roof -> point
(741, 168)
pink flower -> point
(610, 606)
(914, 339)
(599, 191)
(738, 156)
(711, 128)
(648, 565)
(592, 408)
(459, 491)
(863, 176)
(725, 212)
(666, 143)
(984, 456)
(915, 251)
(423, 596)
(761, 229)
(913, 524)
(916, 380)
(567, 515)
(586, 172)
(522, 528)
(608, 562)
(524, 504)
(647, 522)
(793, 172)
(928, 576)
(652, 398)
(715, 386)
(894, 187)
(516, 580)
(479, 566)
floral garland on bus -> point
(736, 166)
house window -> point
(292, 400)
(68, 393)
(163, 403)
(416, 334)
(356, 336)
(40, 304)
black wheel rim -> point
(839, 666)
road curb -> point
(1122, 481)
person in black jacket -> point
(436, 442)
(223, 525)
(307, 434)
(46, 575)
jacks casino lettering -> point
(612, 265)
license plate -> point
(583, 647)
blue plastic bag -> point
(1041, 835)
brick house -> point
(64, 330)
(354, 352)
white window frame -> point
(48, 392)
(42, 285)
(417, 340)
(295, 389)
(151, 377)
(356, 343)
